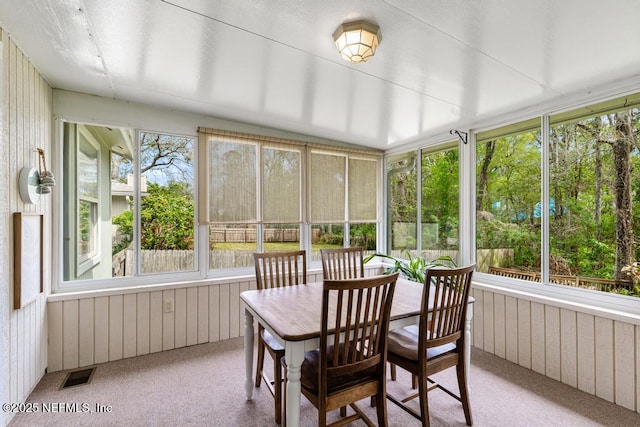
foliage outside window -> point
(159, 204)
(593, 199)
(402, 184)
(508, 194)
(436, 210)
(440, 204)
(595, 223)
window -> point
(440, 203)
(254, 198)
(128, 203)
(594, 195)
(167, 203)
(434, 204)
(508, 195)
(343, 201)
(87, 201)
(402, 187)
(586, 234)
(258, 200)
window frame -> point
(85, 262)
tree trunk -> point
(622, 147)
(483, 179)
(597, 214)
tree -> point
(166, 219)
(622, 147)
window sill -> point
(601, 304)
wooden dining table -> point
(292, 315)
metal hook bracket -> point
(463, 136)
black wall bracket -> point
(463, 136)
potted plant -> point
(413, 267)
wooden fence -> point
(595, 283)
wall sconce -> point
(357, 41)
(34, 182)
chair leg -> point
(424, 402)
(381, 404)
(277, 388)
(260, 361)
(392, 369)
(414, 382)
(464, 392)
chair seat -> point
(404, 342)
(309, 374)
(270, 341)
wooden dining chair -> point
(346, 263)
(438, 341)
(274, 270)
(342, 263)
(350, 363)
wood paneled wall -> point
(25, 124)
(90, 330)
(596, 354)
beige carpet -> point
(203, 385)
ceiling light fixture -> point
(357, 41)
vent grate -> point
(77, 378)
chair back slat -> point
(448, 289)
(342, 263)
(279, 269)
(354, 337)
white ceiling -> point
(441, 63)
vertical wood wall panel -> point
(511, 330)
(115, 327)
(142, 323)
(624, 362)
(552, 340)
(192, 316)
(155, 321)
(168, 321)
(224, 312)
(568, 348)
(129, 318)
(604, 358)
(488, 324)
(524, 333)
(214, 313)
(234, 312)
(499, 319)
(87, 328)
(70, 334)
(101, 336)
(181, 318)
(586, 353)
(54, 353)
(25, 117)
(538, 342)
(203, 314)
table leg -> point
(294, 354)
(467, 341)
(248, 353)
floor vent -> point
(76, 378)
